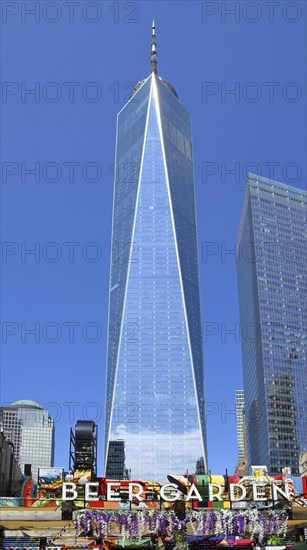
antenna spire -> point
(153, 63)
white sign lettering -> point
(171, 493)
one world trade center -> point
(155, 406)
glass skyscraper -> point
(155, 379)
(272, 261)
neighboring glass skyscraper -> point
(29, 427)
(155, 378)
(272, 260)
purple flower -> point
(133, 523)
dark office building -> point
(116, 461)
(11, 477)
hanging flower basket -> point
(133, 524)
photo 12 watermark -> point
(67, 171)
(67, 332)
(70, 92)
(71, 11)
(70, 252)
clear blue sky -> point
(82, 58)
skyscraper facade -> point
(240, 423)
(272, 260)
(29, 427)
(242, 466)
(155, 380)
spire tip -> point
(153, 48)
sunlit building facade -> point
(272, 260)
(240, 421)
(242, 466)
(30, 428)
(155, 380)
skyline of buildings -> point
(30, 430)
(271, 260)
(281, 396)
(155, 376)
(271, 264)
